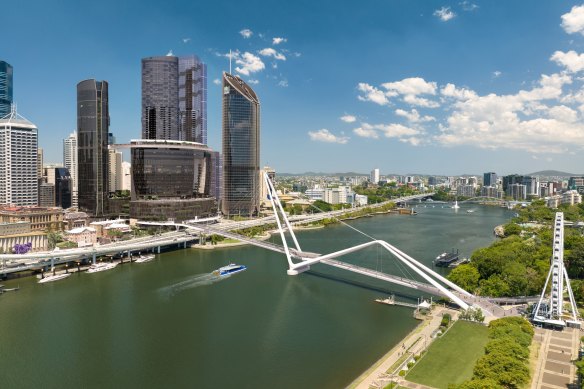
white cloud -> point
(468, 6)
(572, 61)
(497, 74)
(278, 40)
(573, 21)
(420, 101)
(411, 86)
(444, 14)
(253, 82)
(248, 63)
(325, 135)
(246, 33)
(414, 141)
(410, 89)
(348, 118)
(414, 116)
(186, 40)
(283, 83)
(372, 94)
(450, 90)
(269, 52)
(366, 132)
(217, 81)
(563, 114)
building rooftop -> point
(16, 120)
(241, 87)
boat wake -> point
(189, 283)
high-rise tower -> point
(192, 99)
(70, 162)
(92, 141)
(241, 148)
(18, 156)
(160, 112)
(5, 88)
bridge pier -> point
(93, 260)
(295, 272)
(158, 249)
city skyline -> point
(416, 87)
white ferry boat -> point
(102, 267)
(55, 277)
(229, 269)
(144, 258)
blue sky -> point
(407, 86)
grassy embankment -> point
(451, 358)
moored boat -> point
(145, 258)
(101, 267)
(54, 277)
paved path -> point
(377, 377)
(557, 350)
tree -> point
(507, 345)
(494, 286)
(512, 229)
(486, 383)
(466, 276)
(54, 238)
(503, 369)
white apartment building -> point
(18, 160)
(375, 176)
(70, 162)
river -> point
(170, 323)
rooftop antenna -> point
(230, 61)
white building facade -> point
(70, 162)
(18, 160)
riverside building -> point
(18, 155)
(70, 162)
(5, 88)
(241, 148)
(92, 146)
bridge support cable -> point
(421, 270)
(273, 194)
(291, 270)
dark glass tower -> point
(92, 142)
(5, 88)
(192, 99)
(241, 148)
(63, 186)
(160, 112)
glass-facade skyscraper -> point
(5, 88)
(241, 148)
(174, 98)
(92, 151)
(160, 112)
(192, 99)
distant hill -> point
(552, 173)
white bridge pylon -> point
(296, 268)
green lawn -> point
(451, 358)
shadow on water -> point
(189, 283)
(362, 285)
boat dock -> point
(391, 301)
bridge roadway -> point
(11, 263)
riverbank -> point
(415, 342)
(218, 245)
